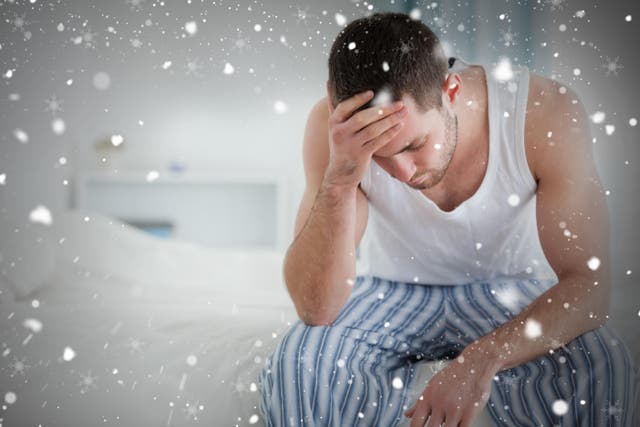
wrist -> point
(338, 189)
(485, 355)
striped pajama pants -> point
(344, 374)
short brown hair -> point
(388, 50)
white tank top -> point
(493, 234)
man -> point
(488, 247)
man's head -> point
(401, 59)
(390, 52)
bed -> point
(101, 323)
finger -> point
(345, 109)
(435, 420)
(368, 116)
(420, 416)
(451, 421)
(376, 129)
(409, 412)
(380, 141)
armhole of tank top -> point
(521, 114)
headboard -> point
(240, 210)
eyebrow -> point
(408, 146)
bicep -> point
(573, 221)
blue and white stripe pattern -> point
(358, 371)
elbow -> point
(314, 317)
(317, 320)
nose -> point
(403, 170)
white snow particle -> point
(192, 360)
(10, 397)
(58, 126)
(560, 407)
(478, 246)
(514, 200)
(577, 71)
(228, 68)
(503, 71)
(116, 140)
(352, 45)
(101, 81)
(633, 121)
(280, 107)
(152, 176)
(340, 363)
(60, 27)
(562, 28)
(380, 295)
(3, 178)
(34, 325)
(609, 129)
(21, 135)
(385, 66)
(191, 28)
(68, 354)
(628, 18)
(383, 97)
(40, 215)
(166, 65)
(397, 383)
(593, 263)
(253, 419)
(532, 329)
(437, 146)
(257, 28)
(598, 117)
(580, 14)
(415, 14)
(340, 19)
(628, 272)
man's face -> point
(429, 140)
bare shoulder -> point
(552, 109)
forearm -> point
(320, 264)
(567, 310)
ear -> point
(329, 99)
(451, 87)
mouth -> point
(417, 181)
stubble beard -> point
(435, 175)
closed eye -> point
(416, 148)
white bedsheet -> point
(134, 351)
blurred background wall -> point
(226, 86)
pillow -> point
(102, 244)
(27, 259)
